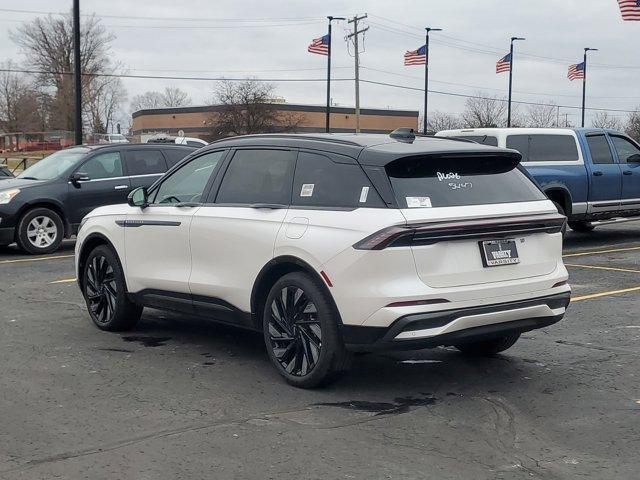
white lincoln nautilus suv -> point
(334, 243)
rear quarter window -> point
(424, 182)
(544, 148)
(174, 155)
(321, 181)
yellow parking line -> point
(64, 280)
(596, 252)
(604, 294)
(35, 259)
(596, 267)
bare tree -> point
(104, 103)
(47, 44)
(20, 103)
(542, 116)
(147, 101)
(632, 127)
(171, 97)
(482, 111)
(246, 107)
(175, 97)
(604, 120)
(438, 121)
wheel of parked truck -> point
(301, 332)
(40, 231)
(561, 212)
(583, 227)
(489, 347)
(104, 290)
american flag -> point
(320, 45)
(630, 9)
(504, 64)
(416, 57)
(576, 71)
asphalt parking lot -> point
(184, 398)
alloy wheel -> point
(294, 331)
(101, 289)
(42, 231)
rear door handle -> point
(627, 172)
(121, 187)
(597, 173)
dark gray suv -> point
(47, 202)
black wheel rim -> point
(101, 289)
(294, 331)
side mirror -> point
(635, 158)
(138, 198)
(78, 177)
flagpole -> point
(426, 74)
(584, 81)
(511, 79)
(328, 112)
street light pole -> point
(426, 74)
(77, 72)
(513, 39)
(584, 81)
(328, 113)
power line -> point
(372, 82)
(463, 95)
(484, 48)
(173, 19)
(166, 77)
(492, 88)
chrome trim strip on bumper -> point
(489, 318)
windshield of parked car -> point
(423, 181)
(54, 165)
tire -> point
(582, 227)
(561, 211)
(104, 290)
(489, 347)
(301, 332)
(40, 231)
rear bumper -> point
(463, 325)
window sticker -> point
(363, 194)
(307, 190)
(418, 202)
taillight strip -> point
(429, 233)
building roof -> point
(296, 107)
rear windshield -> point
(423, 182)
(544, 147)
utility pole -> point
(356, 56)
(513, 39)
(584, 81)
(328, 114)
(77, 73)
(426, 74)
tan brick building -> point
(197, 121)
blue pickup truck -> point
(591, 174)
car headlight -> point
(7, 195)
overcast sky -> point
(205, 38)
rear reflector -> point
(429, 233)
(414, 303)
(326, 278)
(560, 284)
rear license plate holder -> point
(497, 253)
